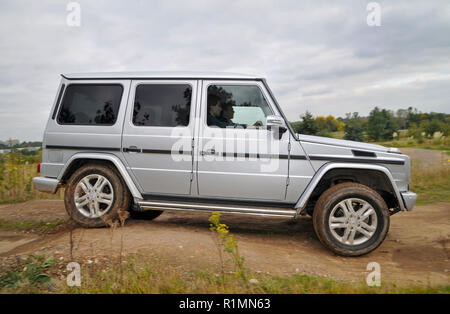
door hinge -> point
(289, 146)
(192, 156)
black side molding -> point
(111, 149)
(359, 160)
(215, 200)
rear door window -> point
(90, 104)
(166, 105)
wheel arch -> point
(80, 159)
(376, 177)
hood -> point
(352, 144)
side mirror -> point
(277, 125)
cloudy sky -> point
(319, 56)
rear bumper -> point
(44, 184)
(409, 199)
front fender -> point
(302, 201)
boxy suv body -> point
(155, 141)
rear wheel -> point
(351, 219)
(95, 194)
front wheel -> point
(351, 219)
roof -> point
(159, 75)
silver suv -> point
(154, 141)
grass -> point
(432, 184)
(438, 142)
(27, 275)
(159, 277)
(16, 174)
(427, 144)
(41, 226)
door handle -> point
(132, 149)
(208, 152)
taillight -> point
(39, 167)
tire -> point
(112, 195)
(347, 232)
(146, 214)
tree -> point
(332, 123)
(321, 123)
(296, 126)
(354, 128)
(416, 132)
(412, 116)
(402, 118)
(381, 125)
(430, 127)
(445, 128)
(308, 125)
(327, 124)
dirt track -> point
(426, 157)
(415, 251)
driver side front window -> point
(237, 106)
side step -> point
(231, 209)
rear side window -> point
(90, 104)
(57, 101)
(162, 105)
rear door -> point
(157, 135)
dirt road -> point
(416, 249)
(426, 157)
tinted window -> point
(162, 105)
(237, 106)
(90, 104)
(57, 101)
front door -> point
(237, 156)
(158, 133)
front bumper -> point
(409, 199)
(47, 185)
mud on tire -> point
(115, 187)
(351, 219)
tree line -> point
(13, 143)
(380, 125)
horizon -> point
(19, 141)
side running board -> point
(231, 209)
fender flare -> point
(109, 157)
(302, 201)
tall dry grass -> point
(141, 275)
(431, 183)
(16, 173)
